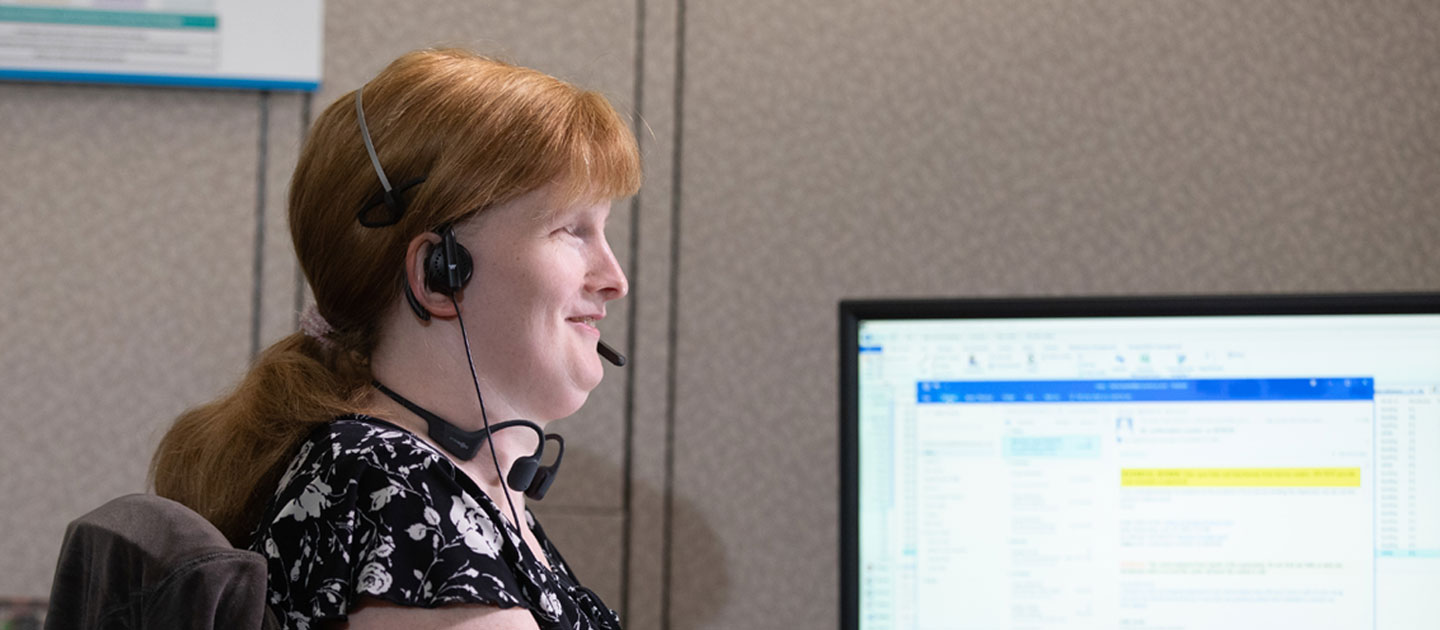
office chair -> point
(142, 561)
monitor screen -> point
(1141, 463)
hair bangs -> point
(602, 158)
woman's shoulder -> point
(358, 441)
(354, 455)
(354, 432)
(368, 509)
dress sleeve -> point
(385, 518)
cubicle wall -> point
(796, 153)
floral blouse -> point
(367, 509)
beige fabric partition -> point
(1021, 148)
(796, 154)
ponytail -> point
(223, 459)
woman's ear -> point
(424, 301)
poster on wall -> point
(247, 44)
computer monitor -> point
(1141, 463)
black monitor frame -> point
(853, 311)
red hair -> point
(481, 132)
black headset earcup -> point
(437, 265)
(464, 266)
(541, 483)
(522, 473)
(436, 274)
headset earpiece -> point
(448, 266)
(540, 484)
(522, 472)
(528, 476)
(543, 476)
(441, 276)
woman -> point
(335, 456)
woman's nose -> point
(607, 278)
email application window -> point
(1172, 474)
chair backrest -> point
(142, 561)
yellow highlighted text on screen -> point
(1240, 477)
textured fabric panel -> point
(280, 281)
(650, 279)
(130, 216)
(855, 149)
(591, 43)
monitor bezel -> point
(853, 311)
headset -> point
(526, 474)
(448, 267)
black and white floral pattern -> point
(368, 509)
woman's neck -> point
(508, 445)
(427, 365)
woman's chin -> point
(567, 404)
